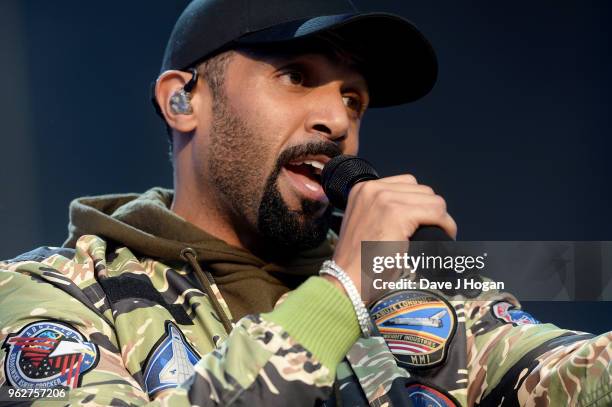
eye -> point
(354, 103)
(294, 77)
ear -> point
(168, 84)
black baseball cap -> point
(397, 61)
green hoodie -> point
(146, 225)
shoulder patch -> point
(418, 327)
(170, 362)
(425, 396)
(47, 354)
(506, 312)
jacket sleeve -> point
(513, 359)
(287, 355)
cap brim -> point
(399, 63)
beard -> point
(297, 230)
(236, 150)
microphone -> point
(343, 172)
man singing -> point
(231, 289)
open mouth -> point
(305, 174)
(307, 168)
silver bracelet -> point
(363, 317)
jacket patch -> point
(170, 362)
(130, 287)
(425, 396)
(418, 327)
(47, 354)
(506, 312)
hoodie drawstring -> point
(191, 257)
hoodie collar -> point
(145, 224)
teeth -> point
(315, 164)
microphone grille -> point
(341, 173)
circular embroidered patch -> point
(418, 327)
(425, 396)
(507, 312)
(47, 354)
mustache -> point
(292, 153)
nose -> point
(328, 114)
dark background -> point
(515, 134)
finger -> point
(402, 178)
(376, 187)
(452, 229)
(407, 198)
(409, 188)
(427, 210)
(365, 193)
(424, 217)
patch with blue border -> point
(418, 327)
(170, 362)
(506, 312)
(426, 396)
(48, 354)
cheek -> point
(202, 144)
(201, 140)
(271, 120)
(261, 105)
(351, 144)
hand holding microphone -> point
(394, 208)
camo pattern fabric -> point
(533, 364)
(153, 308)
(491, 361)
(130, 311)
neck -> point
(200, 205)
(206, 215)
(212, 216)
(194, 200)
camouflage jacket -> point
(121, 330)
(126, 320)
